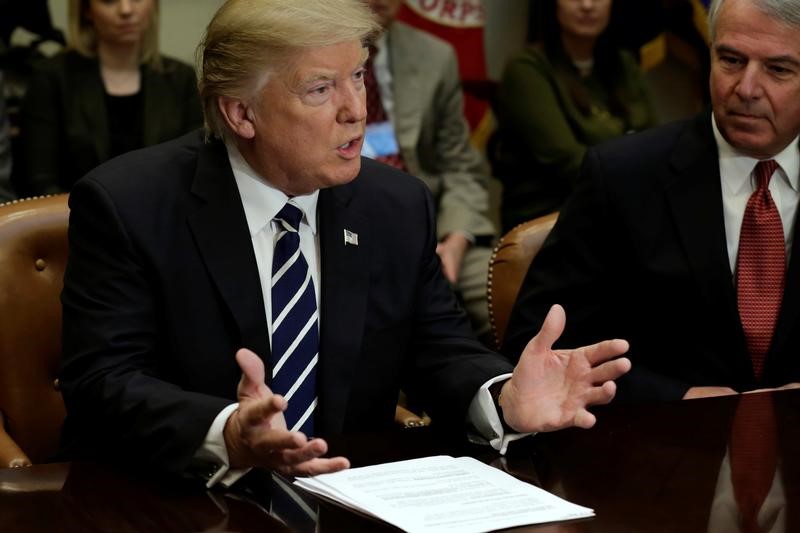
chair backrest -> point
(507, 268)
(33, 255)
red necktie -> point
(761, 267)
(375, 110)
(753, 456)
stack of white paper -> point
(443, 494)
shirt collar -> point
(261, 200)
(736, 168)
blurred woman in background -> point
(110, 92)
(572, 88)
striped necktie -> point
(295, 331)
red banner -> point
(460, 22)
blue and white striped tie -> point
(295, 330)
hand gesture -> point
(552, 389)
(256, 434)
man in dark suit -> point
(187, 253)
(671, 244)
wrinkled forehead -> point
(329, 62)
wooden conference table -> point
(653, 468)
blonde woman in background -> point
(109, 92)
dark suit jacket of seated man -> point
(163, 233)
(640, 251)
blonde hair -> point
(82, 37)
(248, 40)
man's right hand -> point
(256, 435)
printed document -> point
(443, 494)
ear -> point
(238, 116)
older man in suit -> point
(680, 237)
(418, 87)
(275, 239)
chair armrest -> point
(11, 455)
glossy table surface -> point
(650, 468)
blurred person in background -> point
(415, 108)
(681, 239)
(110, 92)
(571, 89)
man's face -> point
(755, 80)
(386, 10)
(309, 120)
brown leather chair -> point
(507, 268)
(33, 254)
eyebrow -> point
(726, 49)
(314, 79)
(325, 76)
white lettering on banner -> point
(455, 13)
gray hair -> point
(785, 11)
(247, 40)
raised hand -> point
(552, 389)
(256, 434)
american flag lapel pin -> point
(350, 238)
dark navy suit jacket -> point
(162, 288)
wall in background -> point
(184, 21)
(505, 32)
(182, 24)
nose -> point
(749, 86)
(587, 4)
(125, 7)
(353, 104)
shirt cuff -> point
(214, 453)
(486, 420)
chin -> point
(747, 145)
(342, 176)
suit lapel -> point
(218, 224)
(694, 193)
(405, 88)
(345, 284)
(787, 320)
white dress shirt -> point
(736, 171)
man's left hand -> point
(552, 389)
(451, 253)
